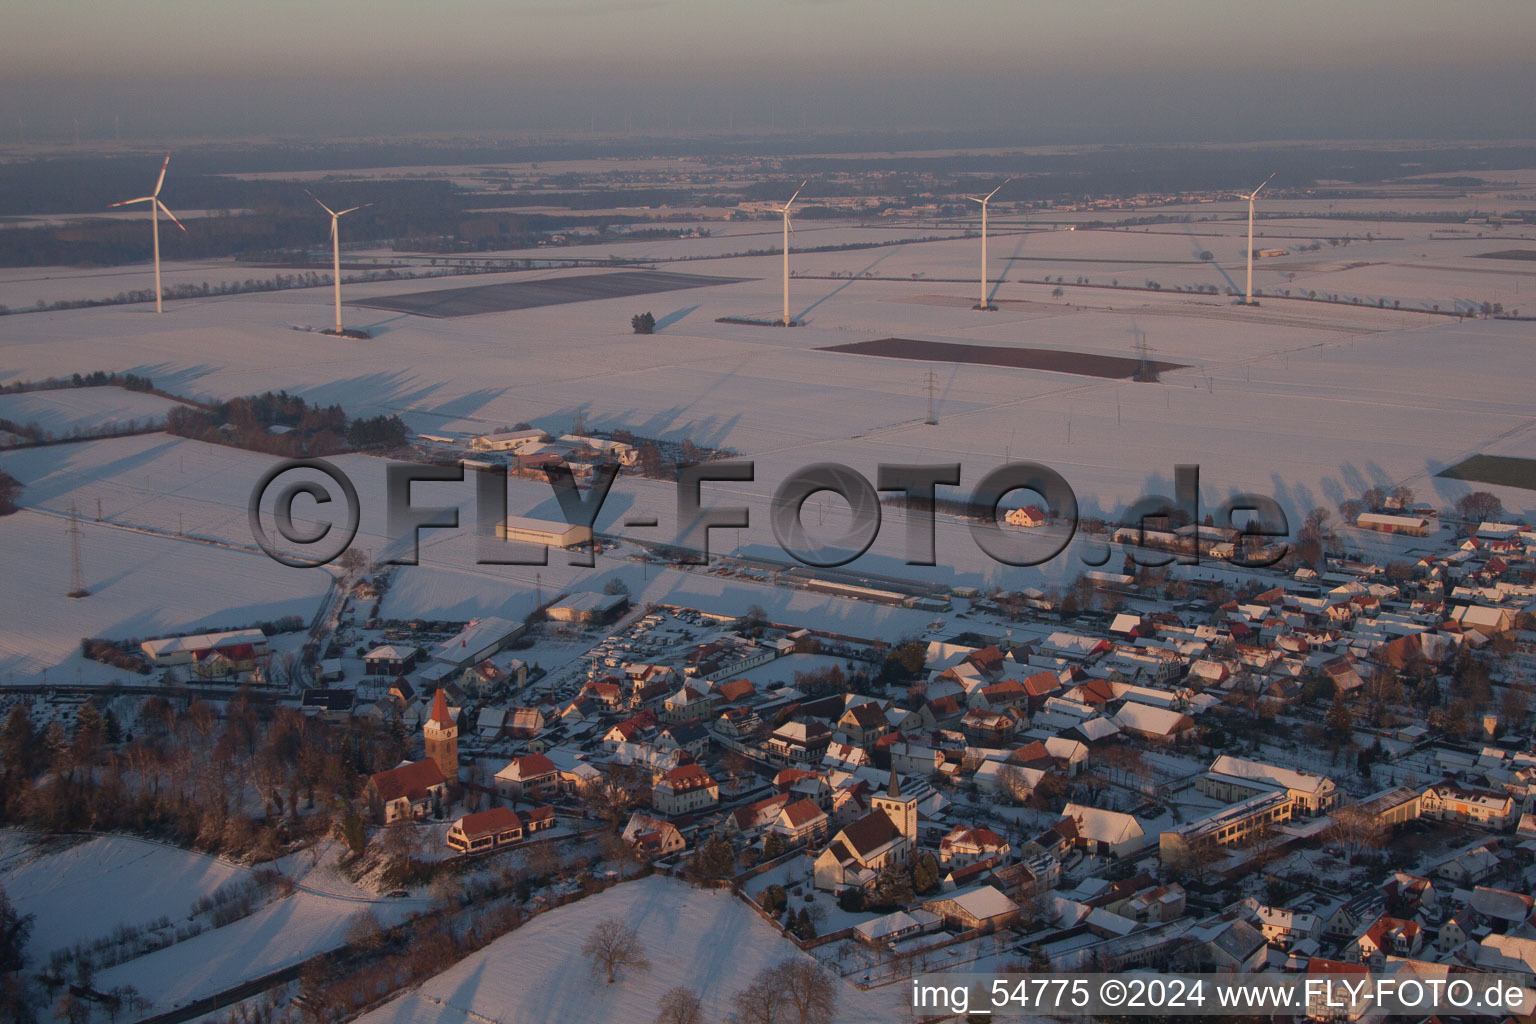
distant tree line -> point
(249, 423)
(95, 379)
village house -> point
(485, 830)
(685, 789)
(863, 724)
(687, 703)
(1159, 725)
(530, 777)
(1387, 936)
(653, 837)
(801, 823)
(1450, 801)
(800, 742)
(964, 846)
(754, 817)
(1099, 831)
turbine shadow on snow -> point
(878, 260)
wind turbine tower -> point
(156, 207)
(335, 251)
(984, 200)
(785, 212)
(1248, 296)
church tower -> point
(902, 810)
(442, 735)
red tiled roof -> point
(736, 689)
(802, 813)
(688, 776)
(1041, 683)
(483, 823)
(533, 766)
(411, 781)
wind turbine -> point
(155, 208)
(335, 250)
(984, 200)
(1248, 299)
(785, 212)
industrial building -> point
(543, 531)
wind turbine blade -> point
(997, 190)
(126, 202)
(161, 180)
(350, 209)
(791, 202)
(327, 209)
(171, 215)
(333, 229)
(977, 199)
(1266, 182)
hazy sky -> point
(1182, 68)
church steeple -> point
(441, 733)
(902, 810)
(440, 709)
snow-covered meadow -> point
(705, 939)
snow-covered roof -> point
(983, 902)
(1257, 771)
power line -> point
(76, 568)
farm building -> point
(543, 531)
(588, 608)
(389, 660)
(185, 650)
(1413, 526)
(506, 440)
(477, 641)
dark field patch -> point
(1087, 364)
(1508, 254)
(555, 291)
(1500, 470)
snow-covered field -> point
(141, 585)
(276, 936)
(66, 409)
(83, 890)
(705, 939)
(80, 891)
(1309, 403)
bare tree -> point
(810, 990)
(1357, 830)
(614, 794)
(613, 946)
(543, 859)
(1012, 784)
(679, 1005)
(761, 1002)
